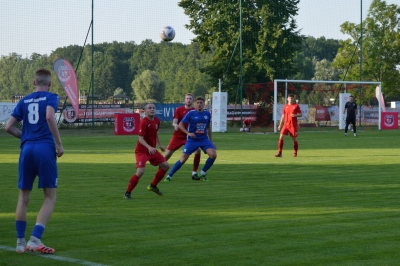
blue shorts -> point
(192, 145)
(37, 159)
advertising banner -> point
(6, 110)
(126, 124)
(67, 77)
(389, 120)
(219, 111)
(102, 113)
(322, 113)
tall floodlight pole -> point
(92, 70)
(361, 55)
(241, 62)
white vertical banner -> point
(343, 99)
(219, 111)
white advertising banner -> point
(6, 110)
(219, 111)
(343, 99)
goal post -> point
(277, 83)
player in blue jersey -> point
(37, 157)
(198, 134)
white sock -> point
(193, 172)
(202, 172)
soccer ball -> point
(167, 33)
(241, 129)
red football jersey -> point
(179, 114)
(288, 110)
(148, 130)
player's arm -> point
(51, 121)
(11, 127)
(298, 114)
(184, 130)
(159, 143)
(281, 122)
(175, 124)
(151, 150)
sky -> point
(41, 26)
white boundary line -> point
(55, 257)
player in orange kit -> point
(291, 111)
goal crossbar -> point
(275, 109)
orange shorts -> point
(292, 131)
(155, 159)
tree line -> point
(272, 47)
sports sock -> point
(132, 183)
(209, 163)
(20, 227)
(38, 230)
(196, 162)
(158, 177)
(175, 168)
(295, 146)
(280, 145)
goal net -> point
(322, 102)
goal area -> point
(322, 102)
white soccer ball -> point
(167, 33)
(241, 129)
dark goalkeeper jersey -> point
(351, 108)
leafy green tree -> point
(119, 91)
(324, 71)
(148, 86)
(268, 32)
(380, 48)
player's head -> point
(290, 98)
(189, 99)
(42, 78)
(199, 103)
(351, 98)
(149, 110)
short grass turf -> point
(337, 203)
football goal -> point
(322, 102)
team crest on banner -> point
(388, 120)
(129, 124)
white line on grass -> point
(55, 257)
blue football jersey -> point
(198, 123)
(31, 110)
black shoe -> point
(195, 177)
(154, 189)
(127, 195)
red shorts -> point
(176, 143)
(155, 159)
(292, 131)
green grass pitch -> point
(337, 203)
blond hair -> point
(42, 77)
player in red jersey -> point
(246, 125)
(146, 151)
(290, 113)
(179, 138)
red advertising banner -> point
(322, 113)
(389, 120)
(67, 77)
(126, 124)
